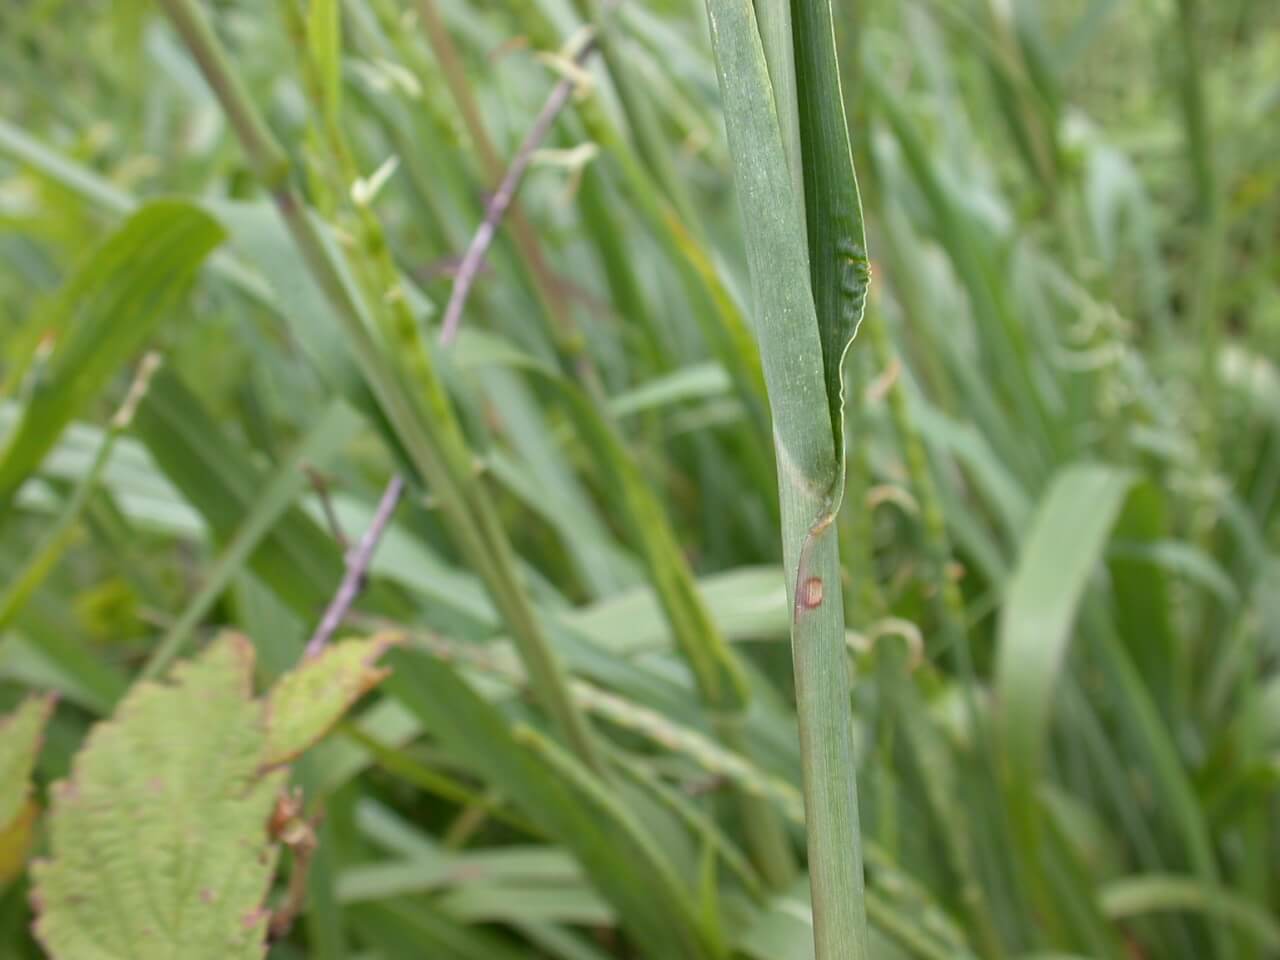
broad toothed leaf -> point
(160, 842)
(159, 838)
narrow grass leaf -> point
(104, 315)
(297, 559)
(413, 926)
(20, 146)
(703, 381)
(715, 667)
(838, 265)
(324, 41)
(53, 544)
(562, 798)
(1131, 897)
(42, 652)
(335, 426)
(1062, 549)
(21, 733)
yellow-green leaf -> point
(307, 701)
(20, 736)
(15, 841)
(324, 37)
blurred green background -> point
(1061, 531)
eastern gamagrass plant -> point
(807, 258)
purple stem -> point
(501, 201)
(357, 565)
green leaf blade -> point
(103, 316)
(563, 799)
(838, 264)
(21, 733)
(1061, 551)
(324, 37)
(786, 324)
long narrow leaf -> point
(104, 315)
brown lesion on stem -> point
(810, 595)
(809, 589)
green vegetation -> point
(650, 613)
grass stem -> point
(436, 450)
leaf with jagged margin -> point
(310, 699)
(104, 315)
(159, 840)
(21, 733)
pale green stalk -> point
(774, 20)
(948, 605)
(1210, 237)
(803, 333)
(422, 419)
(58, 537)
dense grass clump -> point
(445, 509)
